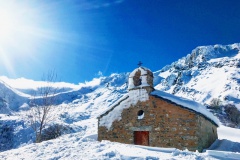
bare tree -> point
(41, 105)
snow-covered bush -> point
(6, 137)
(233, 114)
(54, 131)
(215, 103)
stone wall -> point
(207, 133)
(169, 125)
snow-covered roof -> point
(143, 77)
(142, 69)
(197, 107)
(114, 112)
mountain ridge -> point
(190, 77)
(215, 64)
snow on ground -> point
(83, 145)
(228, 133)
(76, 146)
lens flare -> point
(26, 27)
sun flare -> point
(25, 27)
(12, 20)
(7, 23)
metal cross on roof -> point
(140, 63)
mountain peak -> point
(206, 73)
(216, 51)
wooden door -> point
(141, 138)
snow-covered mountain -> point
(208, 72)
(10, 98)
(15, 96)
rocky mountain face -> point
(209, 72)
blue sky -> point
(79, 38)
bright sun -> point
(7, 23)
(12, 21)
(22, 32)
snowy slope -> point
(83, 145)
(208, 72)
(83, 102)
(12, 97)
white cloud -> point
(23, 83)
(100, 74)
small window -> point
(140, 114)
(140, 81)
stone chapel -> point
(149, 117)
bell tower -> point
(141, 78)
